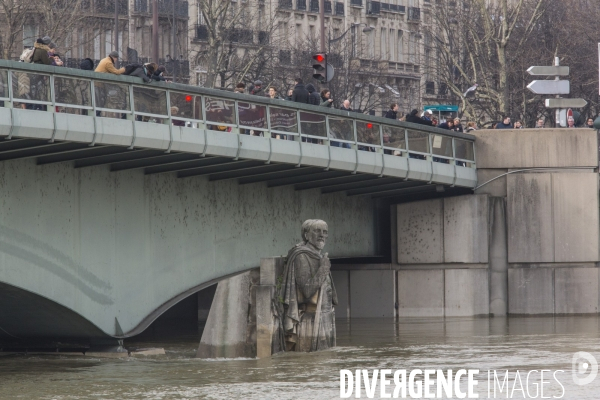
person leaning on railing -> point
(41, 50)
(107, 65)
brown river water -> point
(513, 344)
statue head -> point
(314, 233)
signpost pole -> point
(557, 111)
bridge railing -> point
(65, 90)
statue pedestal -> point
(241, 321)
(230, 328)
(267, 338)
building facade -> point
(380, 65)
(380, 50)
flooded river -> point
(512, 344)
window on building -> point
(371, 44)
(68, 45)
(400, 46)
(29, 35)
(383, 44)
(80, 42)
(298, 35)
(430, 87)
(392, 45)
(200, 18)
(107, 42)
(412, 48)
(353, 40)
(121, 44)
(96, 44)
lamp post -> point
(174, 34)
(366, 29)
(116, 34)
(155, 31)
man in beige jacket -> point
(107, 65)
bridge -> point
(119, 199)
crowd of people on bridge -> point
(46, 52)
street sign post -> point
(548, 70)
(556, 87)
(550, 87)
(565, 103)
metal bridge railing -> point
(65, 90)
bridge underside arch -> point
(25, 315)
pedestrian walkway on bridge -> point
(61, 114)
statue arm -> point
(306, 281)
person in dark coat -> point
(505, 124)
(257, 89)
(313, 95)
(415, 119)
(144, 71)
(346, 106)
(392, 113)
(87, 64)
(158, 75)
(300, 94)
(449, 124)
(457, 125)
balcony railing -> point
(285, 4)
(263, 37)
(165, 7)
(301, 5)
(374, 8)
(201, 32)
(385, 7)
(141, 6)
(414, 13)
(339, 8)
(285, 57)
(314, 5)
(239, 35)
(96, 7)
(169, 6)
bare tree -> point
(14, 14)
(230, 52)
(54, 18)
(481, 42)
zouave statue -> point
(308, 294)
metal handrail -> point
(298, 112)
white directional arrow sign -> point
(565, 103)
(550, 87)
(549, 70)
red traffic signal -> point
(320, 66)
(188, 98)
(319, 57)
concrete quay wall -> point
(526, 243)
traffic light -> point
(320, 66)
